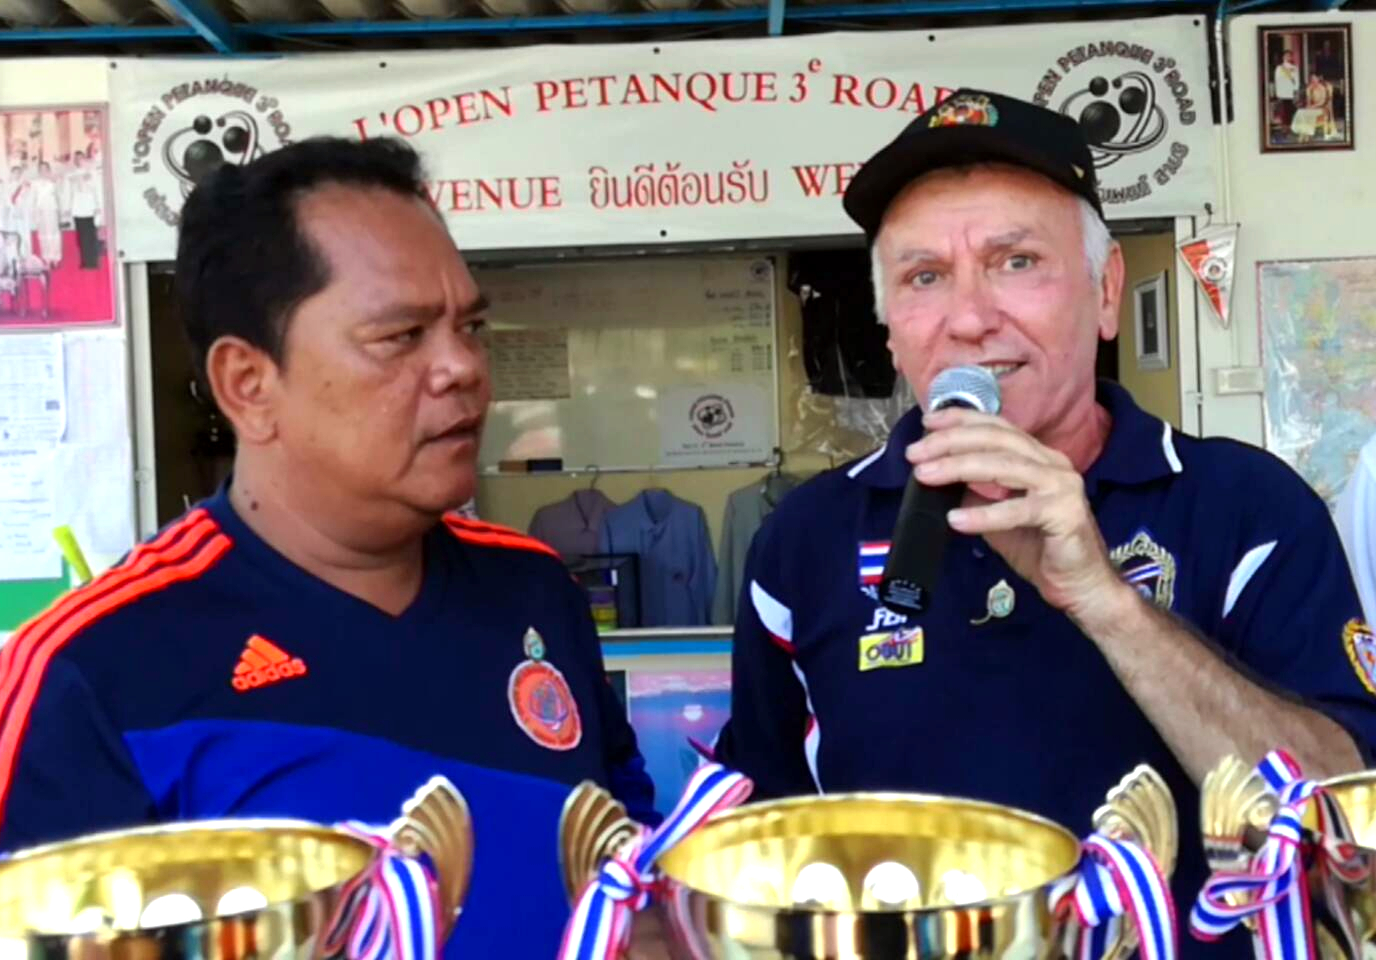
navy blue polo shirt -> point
(207, 676)
(833, 692)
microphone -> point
(919, 537)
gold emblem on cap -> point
(1079, 171)
(965, 110)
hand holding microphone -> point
(919, 538)
(1044, 529)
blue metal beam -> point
(581, 21)
(99, 33)
(776, 17)
(206, 21)
(563, 22)
(673, 18)
(908, 8)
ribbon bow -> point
(391, 911)
(1117, 878)
(601, 920)
(1274, 889)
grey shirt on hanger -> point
(573, 526)
(746, 509)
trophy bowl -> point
(879, 876)
(218, 890)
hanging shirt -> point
(207, 676)
(746, 509)
(573, 526)
(677, 573)
(1008, 701)
(1356, 518)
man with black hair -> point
(323, 635)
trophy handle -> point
(1235, 811)
(592, 828)
(436, 822)
(1140, 809)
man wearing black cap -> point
(1113, 592)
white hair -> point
(1098, 242)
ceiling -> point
(131, 27)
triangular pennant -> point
(1210, 257)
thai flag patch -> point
(873, 555)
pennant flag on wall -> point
(1210, 257)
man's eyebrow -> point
(481, 304)
(910, 254)
(398, 312)
(1008, 239)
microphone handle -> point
(919, 544)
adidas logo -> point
(262, 663)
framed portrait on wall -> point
(56, 251)
(1149, 323)
(1306, 87)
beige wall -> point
(1290, 206)
(1156, 391)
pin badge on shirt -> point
(998, 604)
(1360, 643)
(541, 701)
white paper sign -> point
(529, 364)
(95, 496)
(33, 402)
(713, 425)
(97, 389)
(27, 516)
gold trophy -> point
(872, 876)
(1236, 812)
(224, 889)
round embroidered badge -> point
(543, 705)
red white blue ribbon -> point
(601, 921)
(1274, 890)
(1117, 879)
(392, 910)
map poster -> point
(1318, 331)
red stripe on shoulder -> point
(184, 551)
(492, 535)
(169, 536)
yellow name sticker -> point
(898, 648)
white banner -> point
(672, 142)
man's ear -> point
(1111, 293)
(245, 382)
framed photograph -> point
(56, 250)
(1149, 322)
(1306, 87)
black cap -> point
(973, 126)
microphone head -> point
(970, 386)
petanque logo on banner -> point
(195, 128)
(1127, 98)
